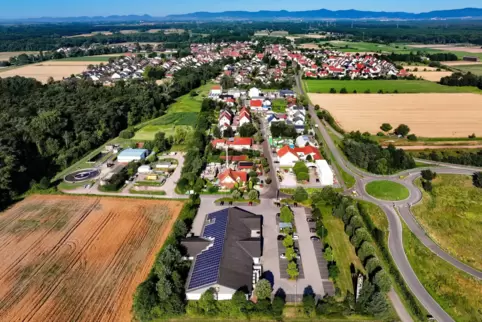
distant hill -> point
(328, 14)
(467, 13)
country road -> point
(395, 210)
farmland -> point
(387, 86)
(6, 55)
(474, 69)
(431, 76)
(427, 115)
(94, 59)
(78, 258)
(451, 216)
(183, 113)
(42, 71)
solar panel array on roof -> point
(206, 265)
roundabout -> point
(387, 190)
(82, 175)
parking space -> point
(323, 267)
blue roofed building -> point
(226, 256)
(129, 155)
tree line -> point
(367, 154)
(464, 157)
(461, 79)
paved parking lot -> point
(323, 267)
(283, 263)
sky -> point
(73, 8)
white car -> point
(295, 237)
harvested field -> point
(42, 71)
(92, 34)
(128, 32)
(427, 115)
(460, 63)
(467, 49)
(438, 147)
(70, 258)
(432, 76)
(7, 54)
(420, 68)
(153, 31)
(309, 46)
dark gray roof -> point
(239, 248)
(195, 245)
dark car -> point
(310, 219)
(278, 214)
(315, 238)
(221, 203)
(312, 230)
(281, 237)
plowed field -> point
(65, 258)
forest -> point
(461, 79)
(369, 155)
(46, 128)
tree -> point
(378, 305)
(228, 132)
(332, 90)
(288, 241)
(238, 302)
(207, 303)
(402, 130)
(343, 91)
(382, 281)
(253, 195)
(160, 143)
(328, 253)
(263, 289)
(360, 235)
(386, 127)
(286, 215)
(333, 270)
(428, 174)
(217, 132)
(427, 185)
(477, 179)
(199, 185)
(300, 194)
(247, 130)
(290, 253)
(372, 265)
(366, 250)
(292, 270)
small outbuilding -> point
(144, 169)
(324, 173)
(130, 155)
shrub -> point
(253, 195)
(236, 194)
(343, 91)
(317, 107)
(126, 134)
(300, 194)
(302, 176)
(333, 270)
(477, 179)
(263, 289)
(382, 280)
(427, 185)
(412, 137)
(332, 90)
(380, 134)
(428, 175)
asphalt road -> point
(395, 243)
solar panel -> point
(206, 265)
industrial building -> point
(324, 173)
(226, 256)
(129, 155)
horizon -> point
(31, 9)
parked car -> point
(281, 237)
(221, 203)
(295, 237)
(278, 214)
(315, 238)
(310, 219)
(283, 256)
(312, 230)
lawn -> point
(458, 293)
(279, 105)
(343, 251)
(346, 46)
(452, 217)
(387, 190)
(474, 69)
(183, 112)
(387, 86)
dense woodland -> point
(465, 157)
(369, 155)
(45, 128)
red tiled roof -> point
(216, 141)
(240, 141)
(216, 87)
(309, 150)
(256, 103)
(235, 175)
(285, 150)
(235, 158)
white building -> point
(254, 92)
(324, 173)
(144, 169)
(226, 256)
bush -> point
(428, 175)
(427, 185)
(126, 134)
(317, 107)
(236, 194)
(477, 179)
(302, 176)
(412, 137)
(380, 134)
(333, 270)
(343, 91)
(263, 289)
(382, 280)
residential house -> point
(233, 143)
(229, 178)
